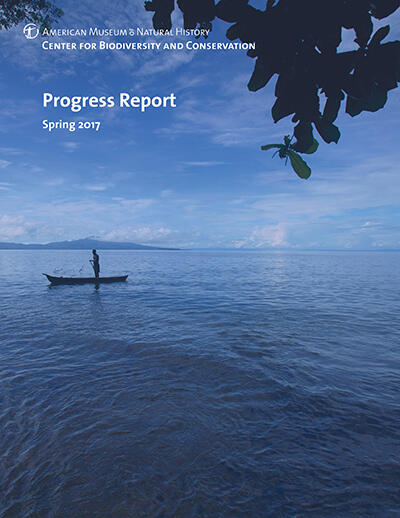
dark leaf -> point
(329, 37)
(354, 106)
(313, 148)
(379, 36)
(332, 107)
(363, 28)
(284, 84)
(261, 75)
(299, 165)
(233, 33)
(359, 84)
(304, 136)
(270, 146)
(282, 108)
(376, 100)
(162, 21)
(231, 10)
(383, 8)
(328, 131)
(252, 53)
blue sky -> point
(193, 176)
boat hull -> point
(85, 280)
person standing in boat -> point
(95, 263)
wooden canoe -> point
(85, 280)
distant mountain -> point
(81, 244)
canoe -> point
(84, 280)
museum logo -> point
(31, 31)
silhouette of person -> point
(95, 263)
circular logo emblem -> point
(31, 31)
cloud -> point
(70, 146)
(203, 164)
(134, 204)
(55, 182)
(4, 164)
(36, 169)
(11, 151)
(261, 237)
(71, 219)
(166, 193)
(143, 235)
(94, 187)
(12, 227)
(166, 61)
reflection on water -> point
(210, 384)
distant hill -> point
(81, 244)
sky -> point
(190, 176)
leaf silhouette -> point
(299, 165)
(379, 36)
(313, 148)
(271, 146)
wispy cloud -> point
(94, 187)
(70, 146)
(55, 182)
(166, 193)
(8, 151)
(203, 164)
(163, 62)
(134, 204)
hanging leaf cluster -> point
(298, 41)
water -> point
(211, 384)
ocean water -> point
(211, 384)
